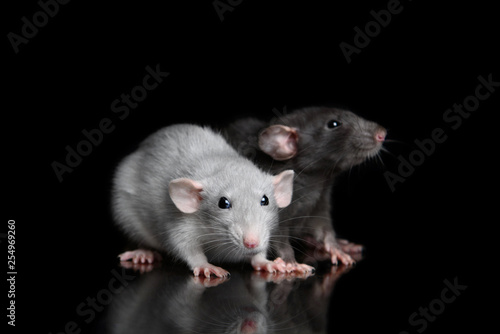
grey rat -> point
(318, 143)
(187, 192)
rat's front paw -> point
(336, 254)
(262, 264)
(208, 269)
(293, 266)
(140, 256)
(335, 250)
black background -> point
(262, 56)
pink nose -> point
(249, 327)
(380, 135)
(250, 243)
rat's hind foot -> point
(208, 269)
(141, 256)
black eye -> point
(333, 124)
(224, 203)
(264, 200)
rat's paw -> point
(303, 268)
(299, 268)
(141, 256)
(208, 269)
(338, 255)
(294, 266)
(277, 265)
(349, 247)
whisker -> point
(396, 141)
(302, 217)
(380, 159)
(383, 149)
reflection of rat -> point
(317, 143)
(170, 301)
(187, 192)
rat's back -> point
(140, 189)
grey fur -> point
(144, 210)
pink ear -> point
(279, 141)
(185, 194)
(283, 188)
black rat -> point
(318, 143)
(187, 192)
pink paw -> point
(269, 266)
(208, 269)
(140, 256)
(337, 254)
(296, 267)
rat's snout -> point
(250, 241)
(380, 134)
(249, 326)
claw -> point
(294, 266)
(209, 269)
(140, 256)
(344, 258)
(270, 266)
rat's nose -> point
(250, 242)
(249, 327)
(380, 135)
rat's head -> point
(322, 138)
(240, 208)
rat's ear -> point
(185, 194)
(279, 141)
(283, 188)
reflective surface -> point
(163, 301)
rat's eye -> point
(264, 200)
(333, 124)
(224, 203)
